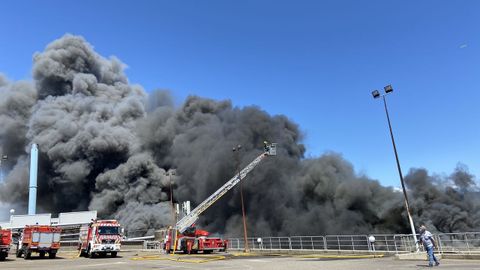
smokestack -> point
(32, 196)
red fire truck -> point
(194, 240)
(41, 239)
(186, 237)
(5, 240)
(99, 238)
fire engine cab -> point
(99, 238)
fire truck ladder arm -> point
(188, 220)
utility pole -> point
(376, 94)
(244, 218)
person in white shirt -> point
(426, 238)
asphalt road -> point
(134, 260)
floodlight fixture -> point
(376, 94)
(388, 89)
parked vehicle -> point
(5, 241)
(194, 241)
(185, 237)
(41, 239)
(100, 237)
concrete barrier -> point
(458, 256)
(417, 256)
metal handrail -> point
(465, 242)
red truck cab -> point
(99, 238)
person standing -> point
(426, 238)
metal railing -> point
(405, 243)
(466, 243)
(383, 242)
(347, 242)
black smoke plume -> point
(107, 145)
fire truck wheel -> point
(27, 255)
(89, 254)
(114, 254)
(52, 255)
(42, 254)
(2, 256)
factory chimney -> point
(32, 195)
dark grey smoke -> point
(16, 104)
(17, 100)
(450, 204)
(106, 145)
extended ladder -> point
(190, 219)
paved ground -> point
(133, 260)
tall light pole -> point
(376, 94)
(237, 161)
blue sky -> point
(314, 61)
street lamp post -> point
(237, 159)
(376, 94)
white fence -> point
(466, 243)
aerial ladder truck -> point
(184, 237)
